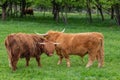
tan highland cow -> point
(91, 43)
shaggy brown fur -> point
(80, 44)
(21, 45)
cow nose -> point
(50, 54)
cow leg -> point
(90, 60)
(100, 58)
(27, 61)
(14, 63)
(67, 61)
(9, 58)
(60, 60)
(10, 64)
(13, 60)
(38, 61)
(58, 52)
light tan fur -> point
(80, 44)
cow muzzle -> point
(49, 54)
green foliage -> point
(43, 3)
(2, 1)
(50, 70)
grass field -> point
(50, 70)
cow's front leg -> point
(10, 64)
(67, 61)
(60, 60)
(27, 61)
(38, 61)
(14, 63)
(91, 59)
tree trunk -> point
(56, 10)
(4, 6)
(117, 11)
(112, 12)
(3, 13)
(23, 5)
(15, 9)
(101, 12)
(99, 7)
(64, 16)
(9, 12)
(89, 10)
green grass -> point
(50, 70)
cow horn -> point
(41, 34)
(36, 33)
(56, 43)
(63, 30)
(42, 43)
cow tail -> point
(9, 50)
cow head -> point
(48, 47)
(52, 35)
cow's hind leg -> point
(100, 58)
(91, 58)
(27, 61)
(38, 60)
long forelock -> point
(53, 35)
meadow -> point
(77, 23)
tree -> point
(22, 7)
(4, 4)
(115, 7)
(99, 7)
(88, 5)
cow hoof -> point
(58, 63)
(10, 66)
(14, 69)
(68, 66)
(39, 66)
(87, 66)
(99, 66)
